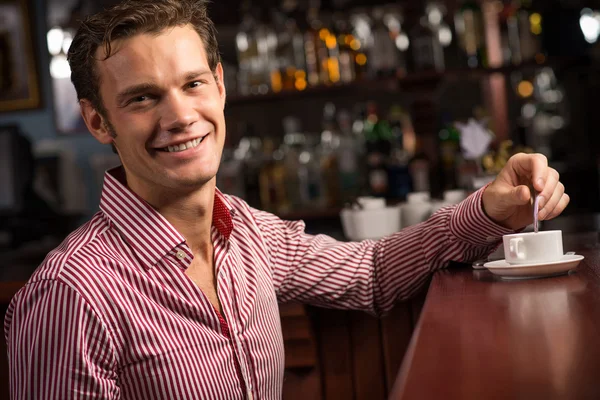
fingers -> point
(551, 189)
(554, 199)
(562, 204)
(532, 166)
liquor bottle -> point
(316, 53)
(426, 48)
(509, 34)
(361, 41)
(347, 55)
(293, 26)
(399, 178)
(230, 169)
(437, 17)
(378, 138)
(449, 143)
(394, 21)
(247, 53)
(348, 158)
(328, 155)
(530, 27)
(294, 141)
(383, 55)
(272, 179)
(250, 152)
(471, 34)
(309, 173)
(282, 67)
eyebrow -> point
(142, 88)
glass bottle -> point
(347, 55)
(471, 34)
(378, 138)
(383, 56)
(272, 179)
(426, 48)
(348, 158)
(328, 154)
(398, 173)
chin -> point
(196, 181)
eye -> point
(139, 99)
(195, 84)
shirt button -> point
(250, 395)
(180, 254)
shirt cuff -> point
(470, 224)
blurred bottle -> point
(250, 152)
(419, 167)
(348, 159)
(328, 154)
(398, 174)
(509, 34)
(471, 34)
(383, 57)
(294, 142)
(530, 29)
(299, 57)
(272, 179)
(283, 67)
(316, 52)
(347, 54)
(378, 137)
(309, 174)
(426, 48)
(437, 17)
(449, 138)
(246, 42)
(362, 41)
(394, 20)
(230, 170)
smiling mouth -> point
(184, 146)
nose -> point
(177, 113)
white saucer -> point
(534, 270)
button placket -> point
(235, 336)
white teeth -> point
(187, 145)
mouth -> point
(190, 144)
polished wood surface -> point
(481, 337)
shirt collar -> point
(143, 227)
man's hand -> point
(508, 199)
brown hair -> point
(127, 19)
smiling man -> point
(171, 290)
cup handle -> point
(513, 247)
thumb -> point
(519, 195)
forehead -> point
(152, 55)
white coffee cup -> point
(531, 247)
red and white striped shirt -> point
(110, 313)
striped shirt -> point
(110, 313)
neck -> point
(190, 212)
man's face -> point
(160, 95)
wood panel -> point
(335, 353)
(368, 360)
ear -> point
(95, 122)
(221, 82)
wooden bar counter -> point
(481, 337)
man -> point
(171, 290)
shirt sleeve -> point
(374, 275)
(58, 348)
